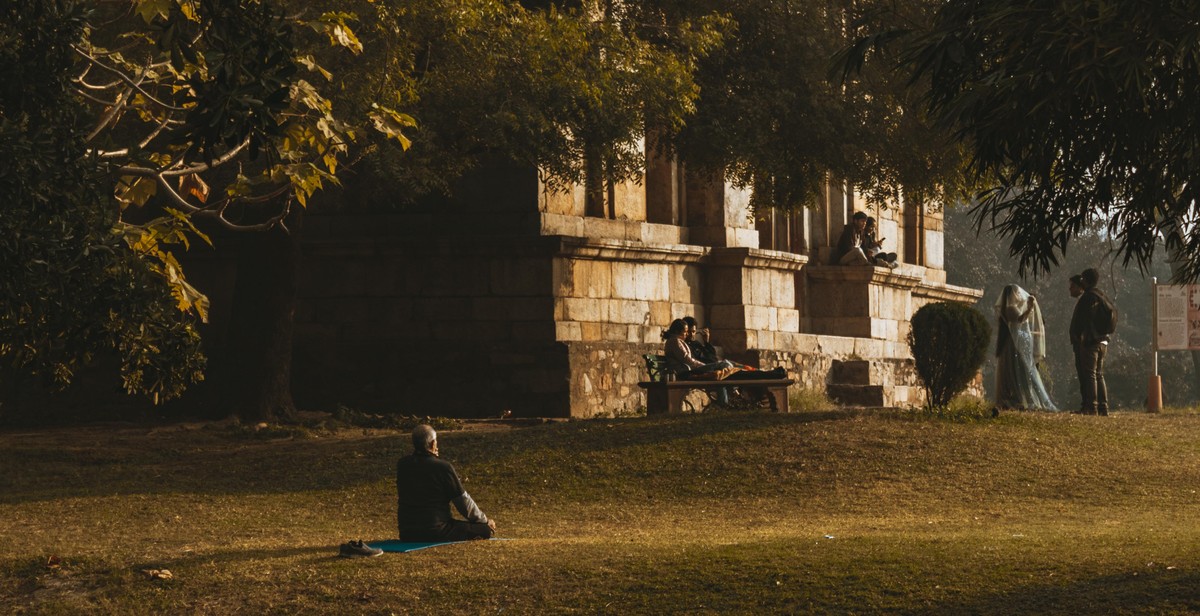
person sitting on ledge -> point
(874, 247)
(850, 248)
(425, 488)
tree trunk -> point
(256, 382)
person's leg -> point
(420, 536)
(854, 257)
(458, 530)
(722, 392)
(1101, 387)
(1080, 376)
(713, 367)
(1088, 356)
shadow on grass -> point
(1159, 591)
(241, 556)
(93, 463)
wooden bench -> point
(666, 395)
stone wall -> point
(557, 325)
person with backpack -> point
(1093, 321)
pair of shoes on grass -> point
(358, 549)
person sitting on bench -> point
(425, 488)
(681, 362)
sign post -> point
(1154, 387)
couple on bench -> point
(689, 358)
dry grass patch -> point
(819, 512)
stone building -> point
(516, 297)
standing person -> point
(1020, 345)
(851, 245)
(426, 486)
(1089, 339)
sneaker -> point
(358, 549)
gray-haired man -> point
(425, 488)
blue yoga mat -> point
(396, 545)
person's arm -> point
(678, 350)
(845, 243)
(469, 510)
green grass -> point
(815, 512)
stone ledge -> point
(622, 250)
(758, 257)
(947, 292)
(898, 278)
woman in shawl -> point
(1020, 345)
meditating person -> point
(426, 486)
(1020, 345)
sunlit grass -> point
(814, 512)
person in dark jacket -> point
(426, 486)
(851, 246)
(1090, 346)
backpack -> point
(1104, 320)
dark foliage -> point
(949, 341)
(70, 287)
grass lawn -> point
(817, 512)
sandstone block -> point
(788, 320)
(685, 284)
(591, 278)
(727, 285)
(591, 332)
(614, 332)
(568, 331)
(584, 309)
(726, 316)
(660, 313)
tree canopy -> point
(770, 116)
(1074, 113)
(203, 109)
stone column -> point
(751, 297)
(718, 213)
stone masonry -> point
(509, 298)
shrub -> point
(949, 342)
(803, 399)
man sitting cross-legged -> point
(425, 487)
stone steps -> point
(863, 383)
(857, 395)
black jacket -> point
(1083, 319)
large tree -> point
(130, 122)
(219, 115)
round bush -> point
(949, 342)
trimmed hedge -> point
(949, 342)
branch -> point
(216, 211)
(136, 85)
(110, 115)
